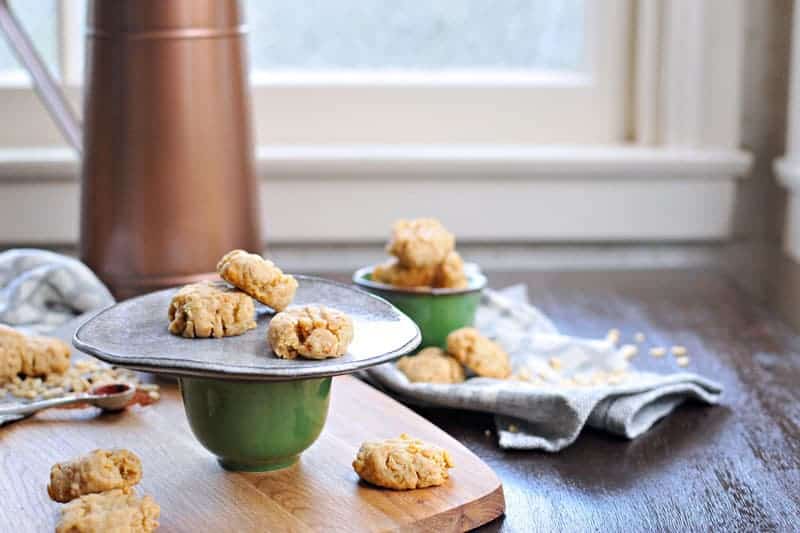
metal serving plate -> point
(134, 334)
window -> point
(37, 16)
(554, 119)
(449, 35)
(380, 72)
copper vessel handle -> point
(46, 86)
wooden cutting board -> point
(320, 493)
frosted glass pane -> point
(416, 34)
(423, 35)
(40, 19)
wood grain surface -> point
(320, 493)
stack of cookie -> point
(424, 256)
(98, 490)
(215, 309)
(466, 347)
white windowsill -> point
(523, 194)
(463, 162)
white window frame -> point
(658, 164)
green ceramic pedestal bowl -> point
(437, 312)
(256, 426)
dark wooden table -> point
(734, 467)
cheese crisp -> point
(313, 332)
(402, 463)
(258, 277)
(211, 309)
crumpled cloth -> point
(40, 290)
(549, 413)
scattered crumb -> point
(679, 351)
(52, 393)
(629, 350)
(613, 336)
(658, 351)
(487, 432)
(555, 363)
(682, 361)
(513, 428)
(639, 337)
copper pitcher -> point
(168, 182)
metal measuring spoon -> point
(112, 397)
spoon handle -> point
(32, 407)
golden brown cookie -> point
(479, 354)
(12, 345)
(313, 331)
(211, 309)
(402, 463)
(32, 356)
(119, 510)
(392, 273)
(258, 277)
(447, 275)
(450, 273)
(97, 471)
(431, 365)
(44, 356)
(420, 242)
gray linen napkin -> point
(40, 290)
(544, 408)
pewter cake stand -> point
(251, 409)
(134, 334)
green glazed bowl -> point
(437, 312)
(256, 425)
